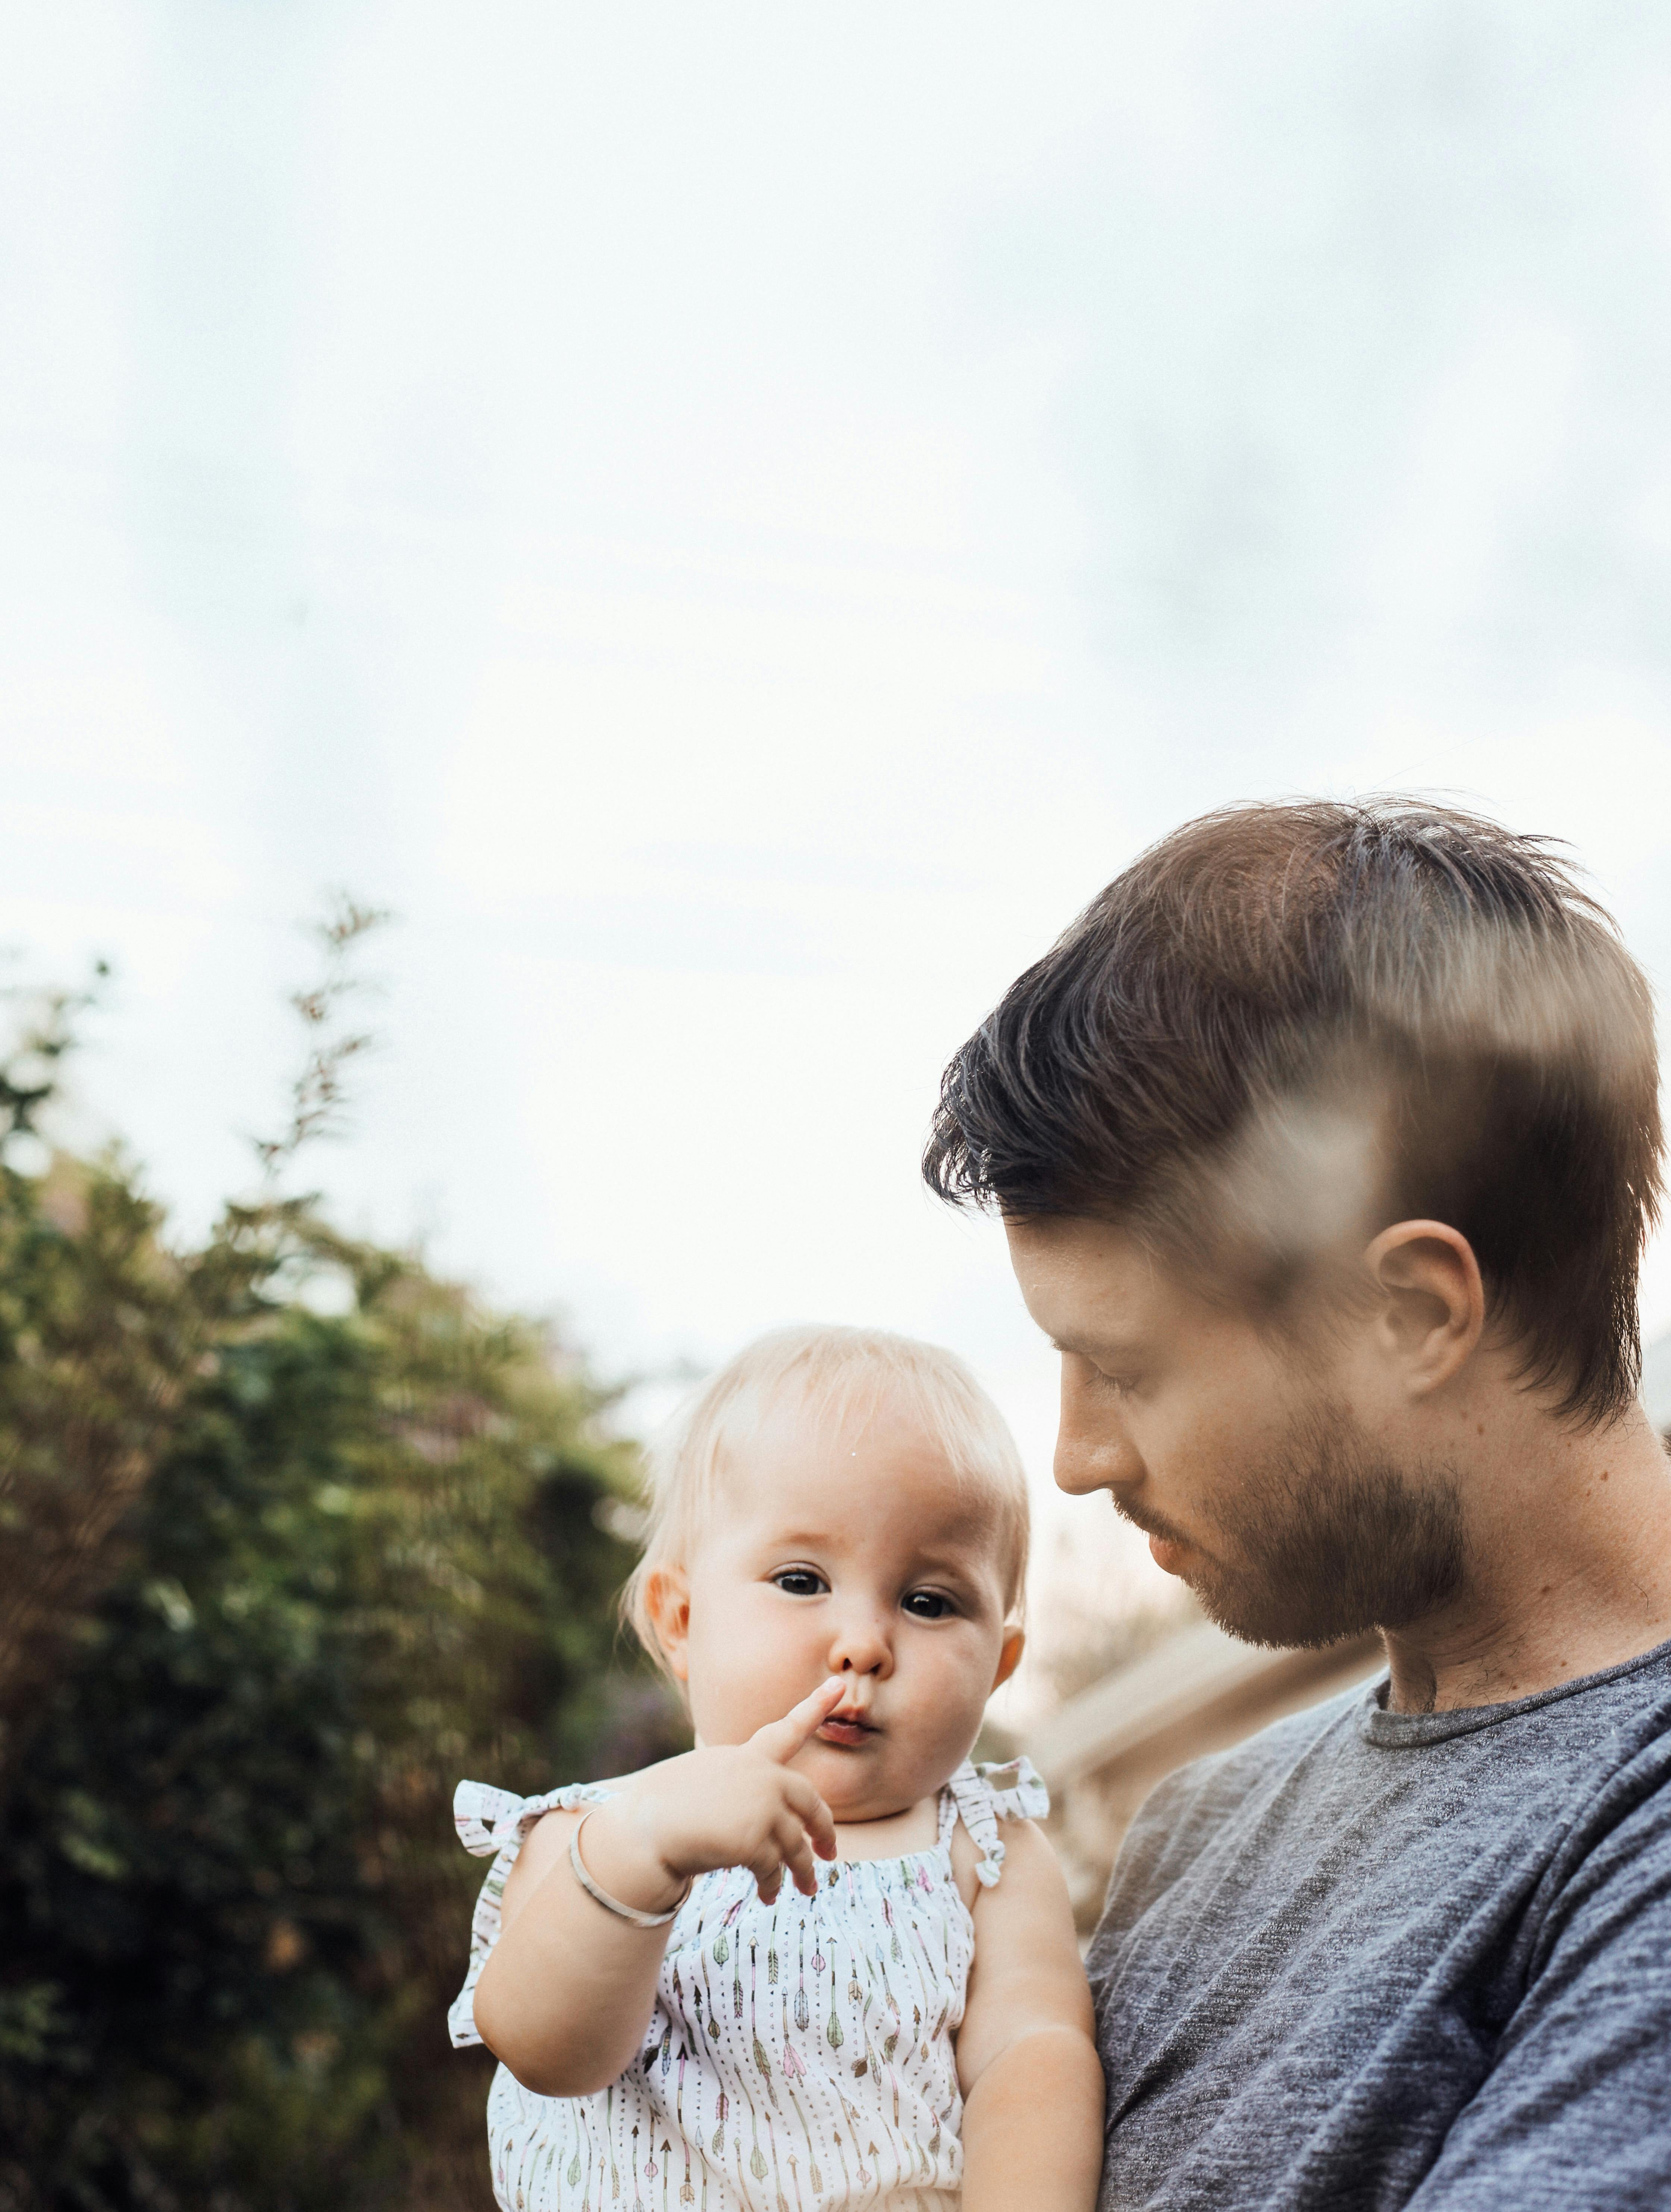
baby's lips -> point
(847, 1725)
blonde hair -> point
(837, 1374)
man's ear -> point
(1015, 1642)
(667, 1601)
(1432, 1301)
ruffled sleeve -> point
(493, 1823)
(984, 1796)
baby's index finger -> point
(782, 1740)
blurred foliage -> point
(99, 1329)
(317, 1536)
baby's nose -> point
(860, 1645)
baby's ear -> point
(1015, 1642)
(667, 1602)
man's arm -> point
(1576, 2113)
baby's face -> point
(859, 1554)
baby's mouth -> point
(850, 1730)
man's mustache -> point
(1151, 1524)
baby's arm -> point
(1026, 2055)
(567, 1992)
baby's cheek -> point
(728, 1702)
(957, 1697)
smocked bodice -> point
(801, 2057)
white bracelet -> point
(613, 1904)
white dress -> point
(799, 2057)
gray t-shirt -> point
(1373, 1959)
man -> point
(1327, 1141)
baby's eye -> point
(928, 1605)
(800, 1582)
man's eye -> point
(928, 1605)
(800, 1582)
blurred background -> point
(731, 524)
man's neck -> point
(1570, 1573)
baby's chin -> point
(858, 1786)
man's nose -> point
(1093, 1450)
(861, 1643)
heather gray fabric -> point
(1374, 1959)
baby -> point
(833, 1572)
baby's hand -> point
(734, 1805)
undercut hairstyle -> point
(1287, 1025)
(839, 1378)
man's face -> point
(1246, 1454)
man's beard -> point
(1324, 1540)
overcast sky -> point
(735, 521)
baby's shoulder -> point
(1026, 1857)
(487, 1818)
(526, 1836)
(987, 1807)
(1013, 1791)
(490, 1821)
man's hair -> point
(1287, 1022)
(839, 1377)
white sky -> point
(736, 520)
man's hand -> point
(734, 1805)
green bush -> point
(358, 1554)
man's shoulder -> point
(1280, 1749)
(1574, 1767)
(1196, 1801)
(1282, 1741)
(1320, 1907)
